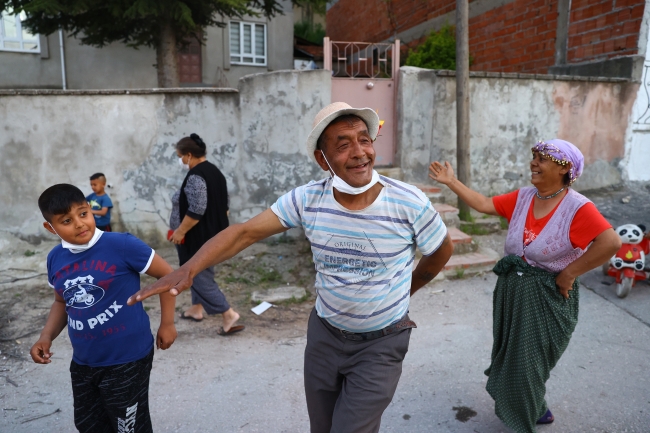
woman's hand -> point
(177, 237)
(441, 173)
(565, 283)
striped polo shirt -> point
(363, 258)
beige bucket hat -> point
(338, 109)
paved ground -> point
(253, 384)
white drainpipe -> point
(62, 59)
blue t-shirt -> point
(95, 285)
(97, 202)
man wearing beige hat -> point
(363, 229)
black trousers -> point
(349, 384)
(112, 399)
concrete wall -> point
(117, 66)
(39, 70)
(508, 115)
(637, 149)
(217, 70)
(254, 135)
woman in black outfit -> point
(200, 211)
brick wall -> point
(603, 29)
(516, 37)
(377, 20)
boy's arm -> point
(167, 331)
(100, 212)
(56, 321)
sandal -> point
(547, 418)
(186, 317)
(232, 330)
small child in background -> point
(100, 202)
(93, 273)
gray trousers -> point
(349, 384)
(205, 290)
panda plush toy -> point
(635, 246)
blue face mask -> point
(345, 188)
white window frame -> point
(252, 55)
(19, 39)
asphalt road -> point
(248, 383)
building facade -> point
(573, 37)
(247, 46)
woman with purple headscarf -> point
(555, 235)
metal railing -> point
(361, 59)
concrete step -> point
(392, 172)
(463, 265)
(448, 213)
(483, 225)
(467, 265)
(463, 242)
(433, 193)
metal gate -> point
(365, 74)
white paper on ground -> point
(261, 308)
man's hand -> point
(565, 283)
(173, 283)
(166, 336)
(40, 351)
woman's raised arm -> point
(445, 175)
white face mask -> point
(182, 164)
(76, 248)
(344, 187)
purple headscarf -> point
(562, 152)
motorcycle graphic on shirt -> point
(81, 293)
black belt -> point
(403, 324)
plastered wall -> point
(254, 135)
(509, 113)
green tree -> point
(438, 51)
(161, 24)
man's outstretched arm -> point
(430, 266)
(221, 247)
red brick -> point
(637, 11)
(631, 42)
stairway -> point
(468, 258)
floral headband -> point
(562, 152)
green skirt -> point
(532, 326)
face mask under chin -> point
(344, 187)
(76, 248)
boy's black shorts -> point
(106, 228)
(112, 399)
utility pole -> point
(463, 163)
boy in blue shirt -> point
(93, 273)
(100, 202)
